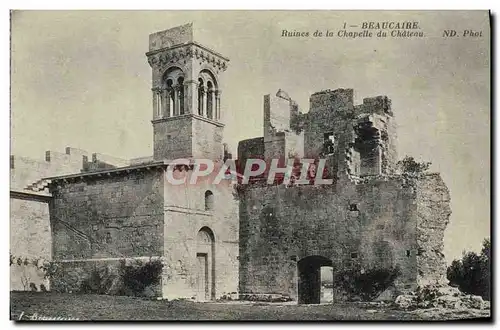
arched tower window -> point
(170, 98)
(180, 94)
(201, 93)
(208, 96)
(210, 99)
(173, 96)
(209, 200)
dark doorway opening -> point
(309, 279)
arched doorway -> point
(205, 264)
(309, 279)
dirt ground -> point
(36, 305)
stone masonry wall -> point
(185, 215)
(25, 171)
(279, 226)
(30, 240)
(108, 216)
(172, 138)
(168, 38)
(207, 138)
(433, 213)
(250, 148)
(30, 234)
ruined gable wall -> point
(365, 134)
(280, 140)
(279, 226)
(330, 111)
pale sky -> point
(81, 79)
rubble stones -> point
(441, 297)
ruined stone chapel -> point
(225, 239)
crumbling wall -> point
(358, 227)
(433, 214)
(375, 122)
(250, 148)
(280, 140)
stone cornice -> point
(30, 196)
(164, 56)
(192, 115)
(109, 172)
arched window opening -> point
(201, 93)
(217, 105)
(180, 85)
(210, 101)
(170, 97)
(208, 87)
(209, 200)
(173, 97)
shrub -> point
(368, 285)
(138, 276)
(410, 166)
(471, 274)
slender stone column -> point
(202, 102)
(210, 104)
(176, 100)
(217, 104)
(191, 96)
(166, 102)
(180, 99)
(155, 103)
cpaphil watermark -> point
(293, 171)
(37, 317)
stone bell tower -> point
(187, 93)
